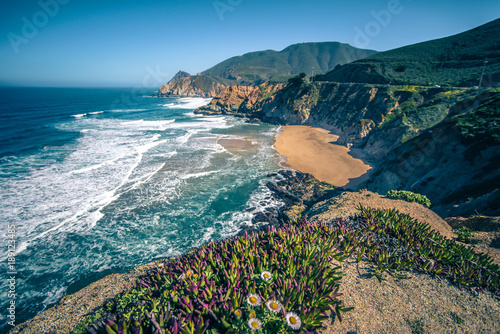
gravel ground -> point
(421, 304)
(71, 309)
(345, 205)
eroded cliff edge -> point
(427, 139)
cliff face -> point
(410, 132)
(243, 100)
(363, 115)
(199, 86)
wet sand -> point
(313, 150)
(236, 146)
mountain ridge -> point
(259, 66)
(456, 60)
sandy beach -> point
(313, 150)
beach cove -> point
(314, 151)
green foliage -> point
(268, 277)
(456, 60)
(203, 289)
(482, 124)
(464, 234)
(416, 326)
(409, 197)
(297, 80)
(413, 245)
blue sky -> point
(130, 43)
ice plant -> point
(293, 320)
(274, 306)
(253, 299)
(255, 324)
(266, 276)
(219, 287)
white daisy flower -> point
(266, 275)
(253, 299)
(254, 324)
(274, 306)
(293, 320)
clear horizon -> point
(74, 43)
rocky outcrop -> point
(459, 177)
(196, 86)
(179, 75)
(297, 191)
(241, 100)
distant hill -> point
(264, 65)
(456, 61)
(257, 67)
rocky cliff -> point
(411, 132)
(363, 115)
(196, 85)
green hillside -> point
(456, 60)
(263, 65)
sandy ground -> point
(236, 146)
(418, 305)
(313, 150)
(346, 204)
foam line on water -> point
(196, 175)
(121, 110)
(79, 115)
(188, 103)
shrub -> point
(464, 234)
(409, 197)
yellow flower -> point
(253, 299)
(238, 313)
(293, 320)
(266, 275)
(254, 324)
(188, 273)
(274, 306)
(252, 314)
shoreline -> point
(314, 150)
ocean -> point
(98, 181)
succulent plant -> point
(284, 280)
